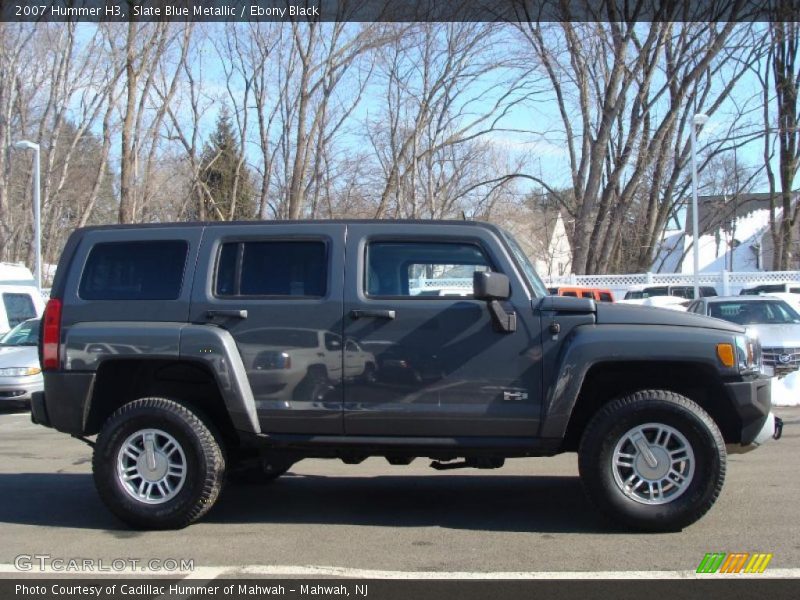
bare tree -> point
(13, 40)
(623, 92)
(143, 51)
(446, 89)
(783, 65)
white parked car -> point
(20, 373)
(670, 302)
(18, 303)
(772, 320)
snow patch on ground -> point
(786, 391)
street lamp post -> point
(697, 120)
(37, 206)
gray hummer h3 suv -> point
(196, 350)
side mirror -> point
(494, 287)
(490, 286)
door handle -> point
(373, 314)
(221, 314)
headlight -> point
(19, 371)
(748, 354)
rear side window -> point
(606, 297)
(279, 268)
(134, 271)
(19, 308)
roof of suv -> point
(377, 222)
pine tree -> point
(223, 195)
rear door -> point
(441, 368)
(278, 290)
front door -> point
(274, 289)
(440, 366)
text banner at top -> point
(400, 10)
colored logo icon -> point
(735, 562)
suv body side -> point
(442, 369)
(198, 349)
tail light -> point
(51, 335)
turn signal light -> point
(726, 355)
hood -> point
(19, 356)
(631, 314)
(786, 336)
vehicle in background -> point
(786, 291)
(634, 293)
(18, 303)
(669, 302)
(644, 295)
(597, 294)
(792, 287)
(773, 321)
(20, 373)
(680, 291)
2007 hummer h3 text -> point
(196, 349)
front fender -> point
(589, 345)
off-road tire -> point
(609, 426)
(205, 463)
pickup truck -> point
(197, 350)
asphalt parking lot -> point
(530, 516)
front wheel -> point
(158, 465)
(653, 460)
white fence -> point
(726, 282)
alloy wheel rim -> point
(653, 463)
(151, 466)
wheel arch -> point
(190, 382)
(606, 381)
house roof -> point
(720, 211)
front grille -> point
(12, 394)
(782, 359)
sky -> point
(546, 154)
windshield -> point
(767, 312)
(24, 334)
(530, 273)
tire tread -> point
(209, 440)
(643, 399)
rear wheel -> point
(653, 460)
(158, 465)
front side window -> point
(134, 271)
(19, 308)
(275, 268)
(423, 269)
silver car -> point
(772, 320)
(20, 373)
